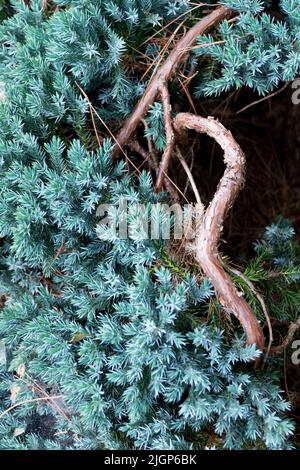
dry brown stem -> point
(210, 226)
(292, 330)
(165, 72)
(170, 138)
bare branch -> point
(210, 227)
(170, 138)
(165, 72)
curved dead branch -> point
(210, 227)
(165, 72)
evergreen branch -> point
(152, 151)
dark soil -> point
(269, 134)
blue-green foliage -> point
(255, 50)
(278, 259)
(116, 337)
(100, 323)
(138, 375)
(155, 128)
(84, 42)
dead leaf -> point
(21, 370)
(18, 432)
(78, 337)
(14, 391)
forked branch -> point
(165, 72)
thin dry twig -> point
(263, 306)
(209, 224)
(136, 147)
(170, 138)
(199, 5)
(263, 99)
(60, 250)
(53, 397)
(171, 187)
(38, 389)
(152, 151)
(92, 111)
(188, 95)
(291, 332)
(161, 54)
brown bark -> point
(170, 138)
(210, 227)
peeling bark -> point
(210, 227)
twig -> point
(165, 72)
(136, 147)
(188, 95)
(263, 306)
(190, 176)
(161, 54)
(263, 99)
(170, 138)
(172, 189)
(60, 250)
(104, 124)
(33, 384)
(53, 397)
(292, 330)
(199, 5)
(210, 226)
(92, 111)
